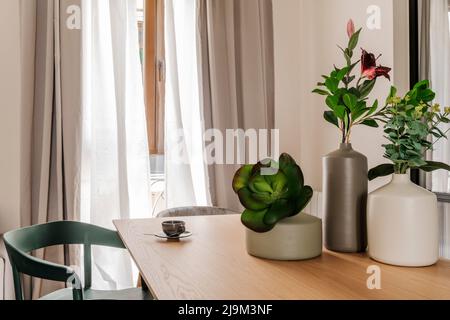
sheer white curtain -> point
(439, 73)
(115, 159)
(440, 79)
(186, 172)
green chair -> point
(20, 243)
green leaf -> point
(417, 162)
(381, 171)
(373, 108)
(413, 153)
(366, 88)
(279, 182)
(279, 210)
(341, 112)
(264, 197)
(332, 102)
(286, 161)
(353, 42)
(427, 95)
(433, 166)
(293, 173)
(332, 84)
(348, 80)
(242, 177)
(348, 56)
(304, 198)
(258, 184)
(254, 220)
(321, 92)
(331, 118)
(370, 123)
(342, 73)
(445, 120)
(350, 101)
(392, 92)
(245, 197)
(359, 113)
(353, 66)
(424, 84)
(295, 181)
(346, 122)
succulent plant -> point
(271, 191)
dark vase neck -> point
(346, 146)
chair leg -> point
(78, 294)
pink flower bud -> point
(350, 28)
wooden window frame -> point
(154, 73)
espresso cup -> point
(174, 228)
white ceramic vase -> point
(403, 224)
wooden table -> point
(213, 264)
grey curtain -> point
(237, 76)
(52, 129)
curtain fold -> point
(236, 61)
(55, 121)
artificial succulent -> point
(271, 191)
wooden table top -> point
(213, 264)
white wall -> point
(306, 35)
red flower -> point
(369, 67)
(350, 28)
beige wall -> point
(16, 97)
(10, 108)
(17, 22)
(306, 34)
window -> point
(440, 79)
(151, 37)
(150, 16)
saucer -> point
(162, 235)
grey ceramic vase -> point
(345, 187)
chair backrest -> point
(20, 243)
(194, 211)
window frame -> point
(154, 73)
(414, 78)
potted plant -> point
(403, 221)
(345, 184)
(273, 194)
